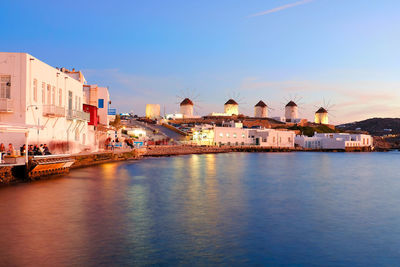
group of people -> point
(35, 150)
(43, 149)
(8, 151)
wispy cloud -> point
(280, 8)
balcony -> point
(6, 105)
(53, 111)
(78, 115)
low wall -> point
(153, 151)
(83, 160)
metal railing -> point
(53, 111)
(77, 115)
(6, 105)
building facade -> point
(237, 136)
(47, 100)
(99, 97)
(334, 141)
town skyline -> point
(264, 51)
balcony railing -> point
(53, 111)
(112, 111)
(6, 105)
(77, 115)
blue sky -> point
(342, 51)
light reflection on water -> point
(231, 209)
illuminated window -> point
(34, 90)
(221, 135)
(227, 134)
(234, 135)
(243, 135)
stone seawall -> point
(159, 151)
(84, 160)
(154, 151)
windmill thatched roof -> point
(321, 110)
(186, 101)
(231, 102)
(291, 104)
(261, 104)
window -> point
(273, 139)
(76, 134)
(43, 93)
(49, 94)
(5, 86)
(234, 135)
(53, 96)
(101, 103)
(227, 134)
(60, 97)
(221, 135)
(243, 135)
(76, 102)
(34, 90)
(288, 139)
(70, 97)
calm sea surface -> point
(308, 209)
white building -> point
(153, 111)
(100, 98)
(334, 141)
(211, 135)
(46, 100)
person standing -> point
(10, 150)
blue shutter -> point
(101, 103)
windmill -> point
(231, 107)
(186, 100)
(292, 109)
(321, 115)
(261, 110)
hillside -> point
(375, 126)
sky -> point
(344, 54)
